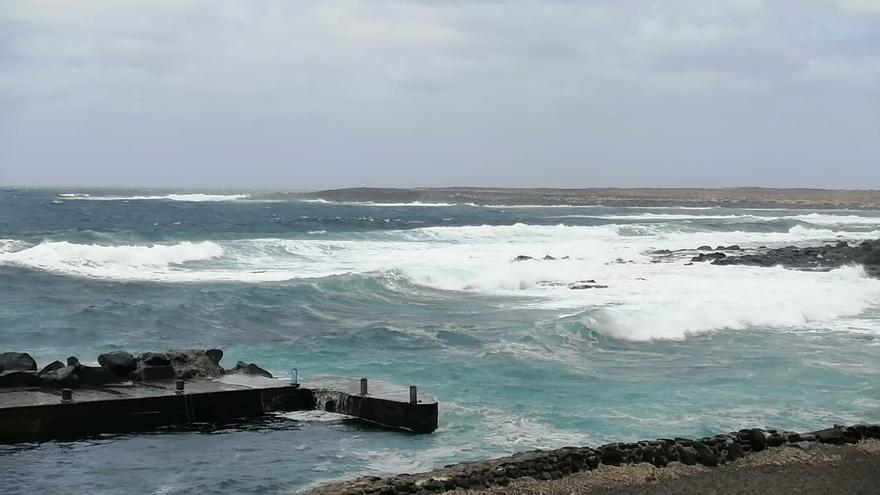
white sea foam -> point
(811, 218)
(12, 245)
(635, 305)
(113, 262)
(824, 219)
(313, 416)
(196, 197)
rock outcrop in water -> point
(555, 464)
(18, 369)
(866, 253)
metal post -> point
(413, 395)
(363, 386)
(66, 395)
(179, 387)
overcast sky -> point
(316, 94)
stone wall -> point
(554, 464)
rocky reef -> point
(19, 369)
(829, 256)
(559, 463)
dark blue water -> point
(428, 295)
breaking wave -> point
(633, 302)
(196, 198)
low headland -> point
(734, 197)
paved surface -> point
(33, 396)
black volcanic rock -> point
(17, 361)
(119, 363)
(178, 364)
(708, 257)
(18, 378)
(93, 375)
(54, 365)
(249, 369)
(68, 376)
(866, 253)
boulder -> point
(831, 435)
(150, 373)
(734, 451)
(757, 439)
(118, 363)
(72, 361)
(215, 355)
(686, 454)
(185, 364)
(153, 359)
(705, 456)
(178, 364)
(65, 377)
(188, 364)
(611, 456)
(249, 369)
(54, 365)
(523, 257)
(92, 375)
(18, 378)
(17, 361)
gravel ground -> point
(808, 468)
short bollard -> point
(179, 387)
(413, 395)
(66, 395)
(363, 386)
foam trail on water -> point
(196, 197)
(812, 218)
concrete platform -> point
(28, 414)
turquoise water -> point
(428, 295)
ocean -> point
(429, 294)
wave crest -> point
(193, 198)
(117, 262)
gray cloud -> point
(302, 94)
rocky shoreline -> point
(19, 369)
(560, 463)
(807, 469)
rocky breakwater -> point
(865, 253)
(19, 369)
(559, 463)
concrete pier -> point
(39, 413)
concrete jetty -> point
(37, 413)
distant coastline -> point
(738, 197)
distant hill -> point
(743, 197)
